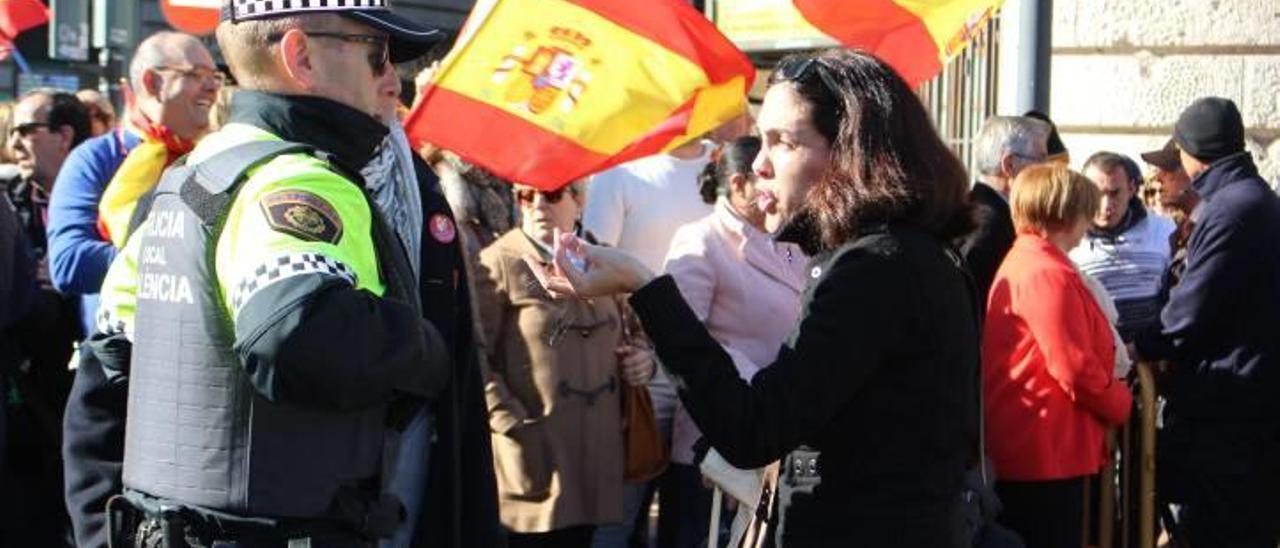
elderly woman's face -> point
(793, 155)
(542, 213)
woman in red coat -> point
(1048, 357)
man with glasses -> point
(1004, 146)
(287, 332)
(173, 82)
(46, 126)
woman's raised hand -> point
(583, 270)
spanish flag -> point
(915, 37)
(542, 92)
(17, 16)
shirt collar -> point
(1133, 215)
(725, 212)
(801, 229)
(1222, 172)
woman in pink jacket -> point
(746, 288)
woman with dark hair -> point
(880, 375)
(728, 269)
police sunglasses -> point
(379, 54)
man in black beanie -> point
(1220, 448)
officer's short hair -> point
(1016, 135)
(248, 47)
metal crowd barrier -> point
(1120, 509)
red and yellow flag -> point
(542, 92)
(19, 15)
(915, 37)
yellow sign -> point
(766, 25)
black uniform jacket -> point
(461, 455)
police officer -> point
(285, 335)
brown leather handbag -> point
(645, 453)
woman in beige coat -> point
(553, 385)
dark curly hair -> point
(733, 159)
(887, 161)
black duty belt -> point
(137, 520)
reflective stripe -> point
(286, 266)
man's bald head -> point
(174, 82)
(166, 49)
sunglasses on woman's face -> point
(526, 195)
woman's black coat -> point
(880, 375)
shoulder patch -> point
(302, 215)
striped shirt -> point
(1130, 266)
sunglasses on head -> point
(379, 55)
(798, 69)
(526, 195)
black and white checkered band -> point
(283, 267)
(237, 10)
(109, 322)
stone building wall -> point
(1122, 71)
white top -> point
(1130, 266)
(639, 205)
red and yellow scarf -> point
(139, 172)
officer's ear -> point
(295, 58)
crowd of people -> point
(262, 318)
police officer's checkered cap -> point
(244, 10)
(409, 39)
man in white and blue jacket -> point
(1127, 248)
(1220, 448)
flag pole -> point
(19, 60)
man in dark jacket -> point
(1220, 448)
(46, 126)
(1005, 145)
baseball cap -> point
(1165, 158)
(408, 39)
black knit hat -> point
(1054, 145)
(1210, 128)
